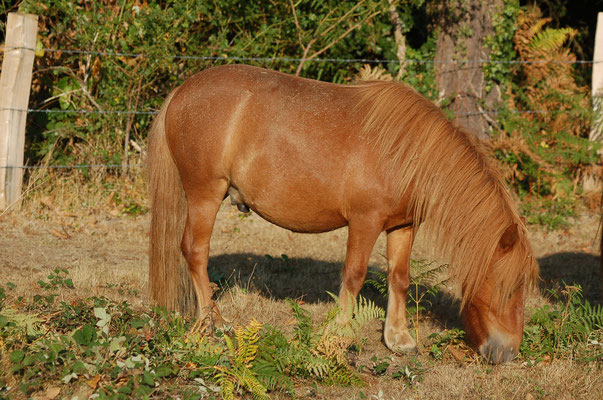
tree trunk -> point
(464, 26)
(398, 36)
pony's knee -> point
(194, 254)
(399, 280)
(353, 279)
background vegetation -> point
(142, 49)
(135, 51)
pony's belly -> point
(314, 221)
(310, 216)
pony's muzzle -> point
(495, 351)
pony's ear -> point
(509, 237)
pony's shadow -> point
(312, 280)
(277, 277)
(572, 268)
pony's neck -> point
(455, 189)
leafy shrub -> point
(546, 151)
(570, 327)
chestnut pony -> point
(311, 157)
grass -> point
(106, 349)
(105, 260)
(116, 352)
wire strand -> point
(77, 166)
(297, 59)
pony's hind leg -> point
(395, 332)
(202, 210)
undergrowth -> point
(99, 348)
(545, 154)
(568, 328)
(106, 349)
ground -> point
(262, 265)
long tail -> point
(169, 279)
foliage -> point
(500, 45)
(544, 152)
(570, 327)
(320, 352)
(425, 281)
(242, 350)
(118, 352)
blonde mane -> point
(457, 193)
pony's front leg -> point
(361, 239)
(202, 212)
(395, 333)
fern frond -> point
(318, 367)
(551, 40)
(427, 273)
(368, 73)
(227, 388)
(379, 282)
(345, 377)
(255, 387)
(229, 344)
(29, 322)
(303, 331)
(537, 26)
(366, 310)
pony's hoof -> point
(243, 208)
(404, 349)
(496, 353)
(400, 342)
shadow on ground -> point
(278, 278)
(310, 280)
(572, 268)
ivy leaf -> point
(17, 356)
(104, 319)
(85, 335)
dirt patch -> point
(263, 264)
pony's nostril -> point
(495, 352)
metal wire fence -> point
(265, 60)
(315, 59)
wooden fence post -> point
(596, 131)
(15, 84)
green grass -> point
(96, 346)
(109, 348)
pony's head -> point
(493, 315)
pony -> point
(311, 156)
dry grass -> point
(107, 255)
(92, 191)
